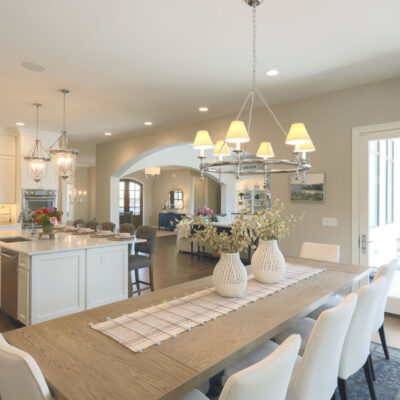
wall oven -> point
(35, 199)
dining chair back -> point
(20, 376)
(356, 348)
(91, 225)
(315, 377)
(127, 228)
(108, 226)
(388, 271)
(320, 251)
(78, 222)
(267, 379)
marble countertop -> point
(63, 242)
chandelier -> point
(152, 172)
(77, 196)
(64, 158)
(38, 158)
(265, 162)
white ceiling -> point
(128, 61)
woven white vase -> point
(230, 276)
(268, 264)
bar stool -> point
(138, 261)
(108, 226)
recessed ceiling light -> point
(30, 66)
(272, 72)
(19, 124)
(108, 133)
(203, 109)
(148, 123)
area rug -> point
(387, 384)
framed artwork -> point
(312, 189)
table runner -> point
(152, 325)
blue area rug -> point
(387, 384)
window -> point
(130, 197)
(381, 182)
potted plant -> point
(47, 217)
(268, 264)
(230, 275)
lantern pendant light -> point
(38, 158)
(64, 158)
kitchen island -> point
(49, 278)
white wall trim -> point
(357, 132)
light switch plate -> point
(333, 222)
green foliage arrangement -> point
(272, 225)
(238, 239)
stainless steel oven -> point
(35, 199)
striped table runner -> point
(152, 325)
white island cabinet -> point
(107, 275)
(68, 274)
(58, 285)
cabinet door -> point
(58, 285)
(23, 296)
(7, 179)
(106, 275)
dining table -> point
(79, 362)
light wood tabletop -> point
(81, 363)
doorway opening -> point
(130, 202)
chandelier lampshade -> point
(297, 134)
(265, 150)
(237, 133)
(64, 158)
(221, 149)
(304, 148)
(202, 141)
(37, 160)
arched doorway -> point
(130, 202)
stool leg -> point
(151, 278)
(342, 389)
(130, 291)
(137, 281)
(370, 382)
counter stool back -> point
(139, 261)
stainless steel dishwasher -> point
(9, 282)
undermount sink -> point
(14, 239)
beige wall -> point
(85, 179)
(329, 119)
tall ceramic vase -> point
(268, 264)
(230, 276)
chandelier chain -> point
(37, 122)
(254, 32)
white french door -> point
(376, 194)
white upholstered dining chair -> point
(315, 374)
(356, 347)
(267, 379)
(320, 251)
(20, 376)
(388, 271)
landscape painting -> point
(310, 189)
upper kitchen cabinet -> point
(7, 169)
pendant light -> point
(63, 157)
(38, 158)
